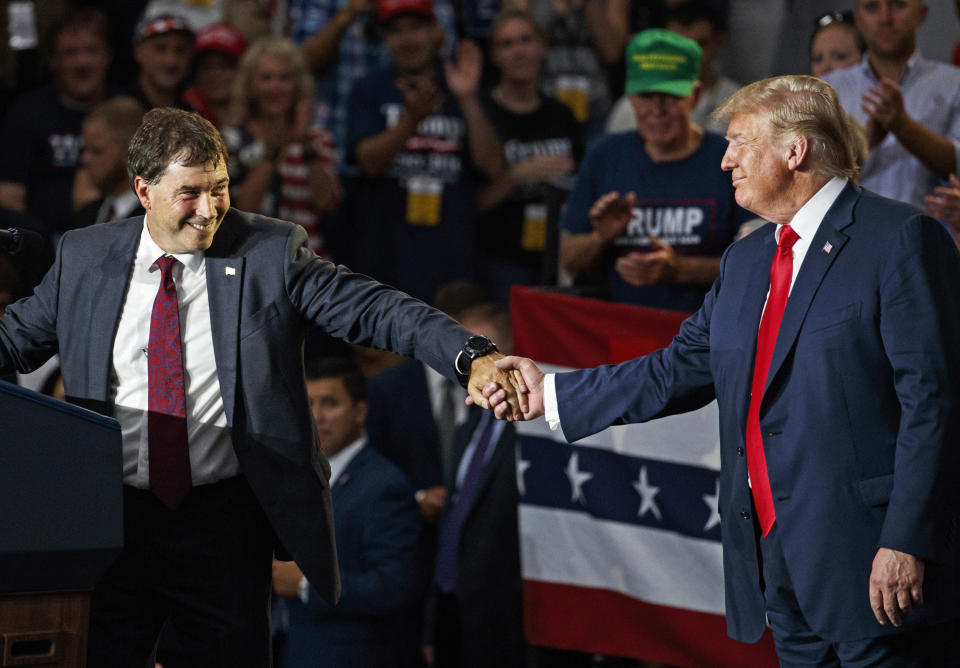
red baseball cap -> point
(221, 37)
(387, 9)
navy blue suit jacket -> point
(859, 414)
(265, 288)
(377, 524)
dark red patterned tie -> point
(167, 417)
(781, 273)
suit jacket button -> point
(740, 451)
(745, 515)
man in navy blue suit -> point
(829, 341)
(376, 525)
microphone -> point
(14, 240)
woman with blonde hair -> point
(279, 165)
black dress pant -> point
(204, 569)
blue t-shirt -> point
(415, 222)
(686, 203)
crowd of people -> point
(453, 151)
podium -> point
(61, 524)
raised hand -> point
(302, 118)
(421, 97)
(610, 214)
(463, 72)
(884, 104)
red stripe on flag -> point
(594, 332)
(566, 616)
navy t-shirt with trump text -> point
(686, 203)
(416, 221)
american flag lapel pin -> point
(827, 247)
(230, 271)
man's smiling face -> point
(186, 206)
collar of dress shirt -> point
(806, 221)
(149, 251)
(907, 69)
(340, 461)
(435, 380)
(125, 204)
(437, 383)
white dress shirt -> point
(805, 223)
(342, 459)
(211, 449)
(437, 384)
(117, 207)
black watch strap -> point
(476, 346)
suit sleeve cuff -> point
(303, 591)
(550, 409)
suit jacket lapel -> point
(111, 286)
(224, 289)
(346, 476)
(815, 265)
(751, 308)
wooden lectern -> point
(61, 524)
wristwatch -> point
(476, 346)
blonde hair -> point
(800, 105)
(120, 115)
(244, 104)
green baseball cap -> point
(660, 61)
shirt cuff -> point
(303, 591)
(550, 409)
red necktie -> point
(781, 272)
(167, 417)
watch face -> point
(478, 345)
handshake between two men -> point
(510, 386)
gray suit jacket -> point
(265, 288)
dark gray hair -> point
(166, 136)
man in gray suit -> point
(187, 325)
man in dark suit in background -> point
(187, 325)
(478, 587)
(413, 413)
(829, 342)
(376, 526)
